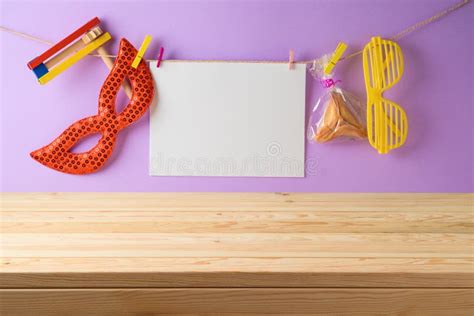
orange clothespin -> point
(291, 60)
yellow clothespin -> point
(141, 51)
(340, 49)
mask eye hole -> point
(86, 143)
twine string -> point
(417, 26)
(396, 37)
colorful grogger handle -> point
(107, 122)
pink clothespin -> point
(291, 59)
(160, 57)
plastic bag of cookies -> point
(337, 114)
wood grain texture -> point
(239, 301)
(236, 253)
(265, 245)
(235, 222)
(236, 272)
(259, 202)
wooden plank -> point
(220, 202)
(235, 222)
(236, 272)
(261, 240)
(238, 245)
(242, 301)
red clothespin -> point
(291, 59)
(160, 57)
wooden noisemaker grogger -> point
(70, 50)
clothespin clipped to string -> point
(141, 51)
(340, 49)
(291, 60)
(160, 57)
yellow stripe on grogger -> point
(387, 123)
(101, 40)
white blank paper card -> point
(228, 119)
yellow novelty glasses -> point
(387, 124)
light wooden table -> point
(233, 254)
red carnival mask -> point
(108, 122)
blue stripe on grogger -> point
(40, 70)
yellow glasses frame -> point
(387, 124)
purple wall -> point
(436, 90)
